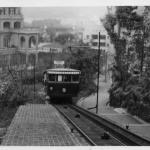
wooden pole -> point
(105, 66)
(98, 74)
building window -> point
(1, 11)
(32, 42)
(103, 37)
(22, 42)
(4, 11)
(11, 11)
(87, 36)
(103, 44)
(94, 36)
(6, 25)
(17, 25)
(94, 44)
(6, 42)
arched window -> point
(22, 42)
(17, 25)
(32, 42)
(1, 11)
(6, 25)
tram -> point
(61, 82)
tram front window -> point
(59, 78)
(67, 78)
(75, 78)
(52, 77)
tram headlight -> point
(64, 90)
(51, 88)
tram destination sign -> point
(59, 64)
(56, 62)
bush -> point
(134, 95)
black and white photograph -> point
(74, 75)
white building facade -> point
(91, 37)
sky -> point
(73, 13)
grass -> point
(7, 112)
(32, 97)
(6, 116)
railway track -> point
(97, 130)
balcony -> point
(21, 30)
(7, 50)
(14, 50)
(11, 16)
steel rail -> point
(119, 132)
(77, 127)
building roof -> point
(52, 45)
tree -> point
(125, 18)
(64, 38)
(52, 33)
(85, 60)
(131, 43)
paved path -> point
(39, 124)
(118, 115)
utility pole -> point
(98, 71)
(34, 75)
(51, 62)
(70, 48)
(142, 50)
(20, 68)
(105, 66)
(99, 53)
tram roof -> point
(63, 71)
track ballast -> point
(97, 130)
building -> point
(91, 37)
(12, 31)
(104, 41)
(14, 37)
(50, 47)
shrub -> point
(134, 95)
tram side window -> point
(52, 77)
(67, 78)
(75, 78)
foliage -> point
(6, 88)
(129, 89)
(64, 38)
(86, 61)
(6, 116)
(134, 96)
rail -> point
(119, 132)
(92, 132)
